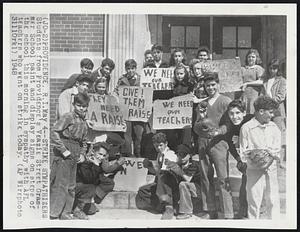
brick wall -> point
(76, 33)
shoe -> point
(168, 214)
(97, 200)
(183, 216)
(66, 216)
(79, 214)
(203, 215)
(53, 218)
(90, 209)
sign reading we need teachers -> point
(137, 101)
(175, 113)
(158, 78)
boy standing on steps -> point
(69, 138)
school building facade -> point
(120, 37)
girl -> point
(177, 57)
(252, 75)
(197, 81)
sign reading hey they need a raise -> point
(137, 101)
(106, 113)
(175, 113)
(158, 78)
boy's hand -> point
(121, 161)
(81, 158)
(147, 163)
(243, 87)
(66, 153)
(241, 166)
(235, 139)
(94, 160)
(90, 123)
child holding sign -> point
(134, 129)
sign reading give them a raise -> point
(138, 102)
(229, 71)
(106, 113)
(175, 113)
(158, 78)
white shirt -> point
(269, 86)
(254, 135)
(167, 154)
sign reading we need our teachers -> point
(175, 113)
(158, 78)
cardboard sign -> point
(158, 78)
(175, 113)
(106, 113)
(138, 101)
(229, 71)
(132, 177)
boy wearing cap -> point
(190, 185)
(86, 67)
(65, 99)
(260, 133)
(69, 139)
(91, 181)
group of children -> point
(187, 158)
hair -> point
(237, 104)
(156, 47)
(130, 63)
(101, 80)
(159, 138)
(104, 145)
(87, 63)
(148, 51)
(203, 49)
(84, 78)
(172, 59)
(276, 63)
(183, 150)
(211, 76)
(82, 99)
(265, 103)
(255, 51)
(108, 62)
(186, 74)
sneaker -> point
(67, 216)
(79, 214)
(203, 215)
(168, 214)
(90, 209)
(183, 216)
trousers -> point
(187, 190)
(134, 134)
(214, 153)
(263, 184)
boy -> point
(107, 66)
(134, 128)
(65, 99)
(203, 53)
(261, 137)
(86, 67)
(157, 53)
(69, 139)
(190, 185)
(214, 151)
(160, 194)
(91, 181)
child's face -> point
(197, 70)
(236, 116)
(100, 154)
(86, 70)
(101, 88)
(157, 55)
(149, 57)
(80, 109)
(180, 74)
(203, 56)
(251, 58)
(178, 57)
(211, 87)
(106, 70)
(265, 116)
(273, 71)
(83, 87)
(131, 71)
(160, 147)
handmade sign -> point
(175, 113)
(137, 101)
(132, 177)
(106, 113)
(229, 71)
(158, 78)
